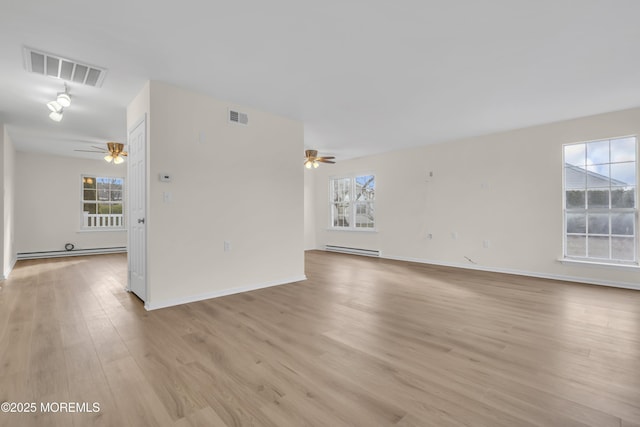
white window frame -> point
(352, 203)
(84, 219)
(592, 260)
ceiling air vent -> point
(51, 65)
(238, 117)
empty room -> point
(320, 214)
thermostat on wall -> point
(165, 177)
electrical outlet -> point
(429, 236)
(486, 244)
(227, 246)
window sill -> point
(356, 230)
(570, 261)
(99, 230)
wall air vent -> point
(51, 65)
(238, 117)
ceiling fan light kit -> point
(114, 152)
(312, 160)
(309, 164)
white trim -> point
(6, 273)
(632, 135)
(216, 294)
(122, 202)
(75, 252)
(585, 280)
(352, 203)
(570, 261)
(586, 210)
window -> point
(352, 201)
(102, 206)
(600, 201)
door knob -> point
(140, 220)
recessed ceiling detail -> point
(48, 64)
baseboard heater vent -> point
(354, 251)
(75, 252)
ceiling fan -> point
(311, 159)
(114, 151)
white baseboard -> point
(216, 294)
(589, 281)
(75, 252)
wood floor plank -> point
(137, 402)
(203, 417)
(362, 342)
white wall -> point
(47, 205)
(505, 188)
(7, 171)
(230, 183)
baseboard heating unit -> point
(75, 252)
(353, 251)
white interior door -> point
(137, 210)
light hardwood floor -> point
(363, 342)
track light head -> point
(64, 99)
(56, 116)
(54, 106)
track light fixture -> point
(63, 100)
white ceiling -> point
(364, 76)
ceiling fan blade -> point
(91, 151)
(124, 153)
(313, 158)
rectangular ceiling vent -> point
(238, 117)
(51, 65)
